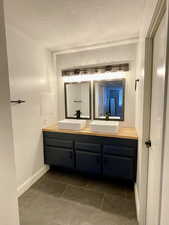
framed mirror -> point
(78, 100)
(108, 99)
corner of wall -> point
(31, 180)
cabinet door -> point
(60, 143)
(119, 150)
(59, 157)
(89, 147)
(120, 167)
(88, 162)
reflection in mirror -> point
(109, 99)
(78, 100)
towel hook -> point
(19, 101)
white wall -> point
(140, 188)
(8, 197)
(121, 53)
(32, 79)
(165, 176)
(165, 180)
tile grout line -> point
(64, 190)
(85, 187)
(78, 203)
(102, 201)
(95, 191)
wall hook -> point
(18, 101)
(136, 81)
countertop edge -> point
(121, 134)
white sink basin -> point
(72, 124)
(104, 126)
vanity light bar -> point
(91, 77)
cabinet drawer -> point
(88, 162)
(59, 157)
(119, 167)
(90, 147)
(51, 141)
(119, 150)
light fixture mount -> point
(101, 72)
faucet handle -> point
(107, 114)
(77, 114)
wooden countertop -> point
(127, 133)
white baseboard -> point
(137, 202)
(31, 180)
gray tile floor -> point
(60, 198)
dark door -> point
(88, 162)
(120, 167)
(59, 157)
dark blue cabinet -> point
(104, 156)
(118, 167)
(88, 162)
(52, 141)
(118, 150)
(89, 147)
(59, 157)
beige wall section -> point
(33, 80)
(165, 176)
(140, 188)
(165, 181)
(99, 56)
(8, 197)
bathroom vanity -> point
(86, 151)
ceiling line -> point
(130, 40)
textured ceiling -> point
(62, 24)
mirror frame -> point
(124, 87)
(90, 95)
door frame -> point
(160, 10)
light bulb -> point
(96, 76)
